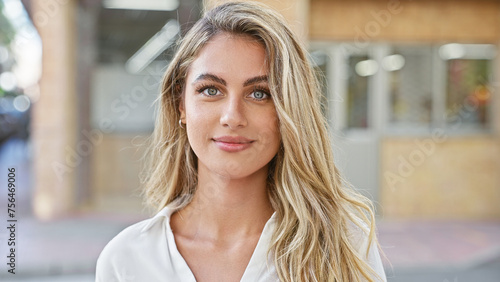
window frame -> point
(337, 95)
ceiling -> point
(120, 33)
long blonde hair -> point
(315, 209)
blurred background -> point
(411, 93)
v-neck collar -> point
(258, 260)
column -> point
(57, 156)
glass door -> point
(354, 111)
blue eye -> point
(211, 91)
(260, 95)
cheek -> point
(199, 123)
(197, 113)
(269, 130)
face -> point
(230, 117)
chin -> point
(234, 170)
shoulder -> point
(124, 240)
(126, 249)
(359, 236)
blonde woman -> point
(242, 169)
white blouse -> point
(146, 252)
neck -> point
(223, 207)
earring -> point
(180, 124)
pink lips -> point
(233, 143)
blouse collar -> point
(166, 212)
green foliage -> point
(7, 32)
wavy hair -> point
(315, 209)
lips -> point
(233, 143)
(233, 139)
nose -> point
(233, 113)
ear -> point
(182, 109)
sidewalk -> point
(440, 244)
(71, 246)
(451, 250)
(62, 247)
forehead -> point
(230, 56)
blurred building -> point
(410, 90)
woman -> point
(242, 169)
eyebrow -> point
(217, 79)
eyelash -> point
(205, 87)
(202, 88)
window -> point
(408, 89)
(410, 85)
(468, 84)
(357, 91)
(319, 61)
